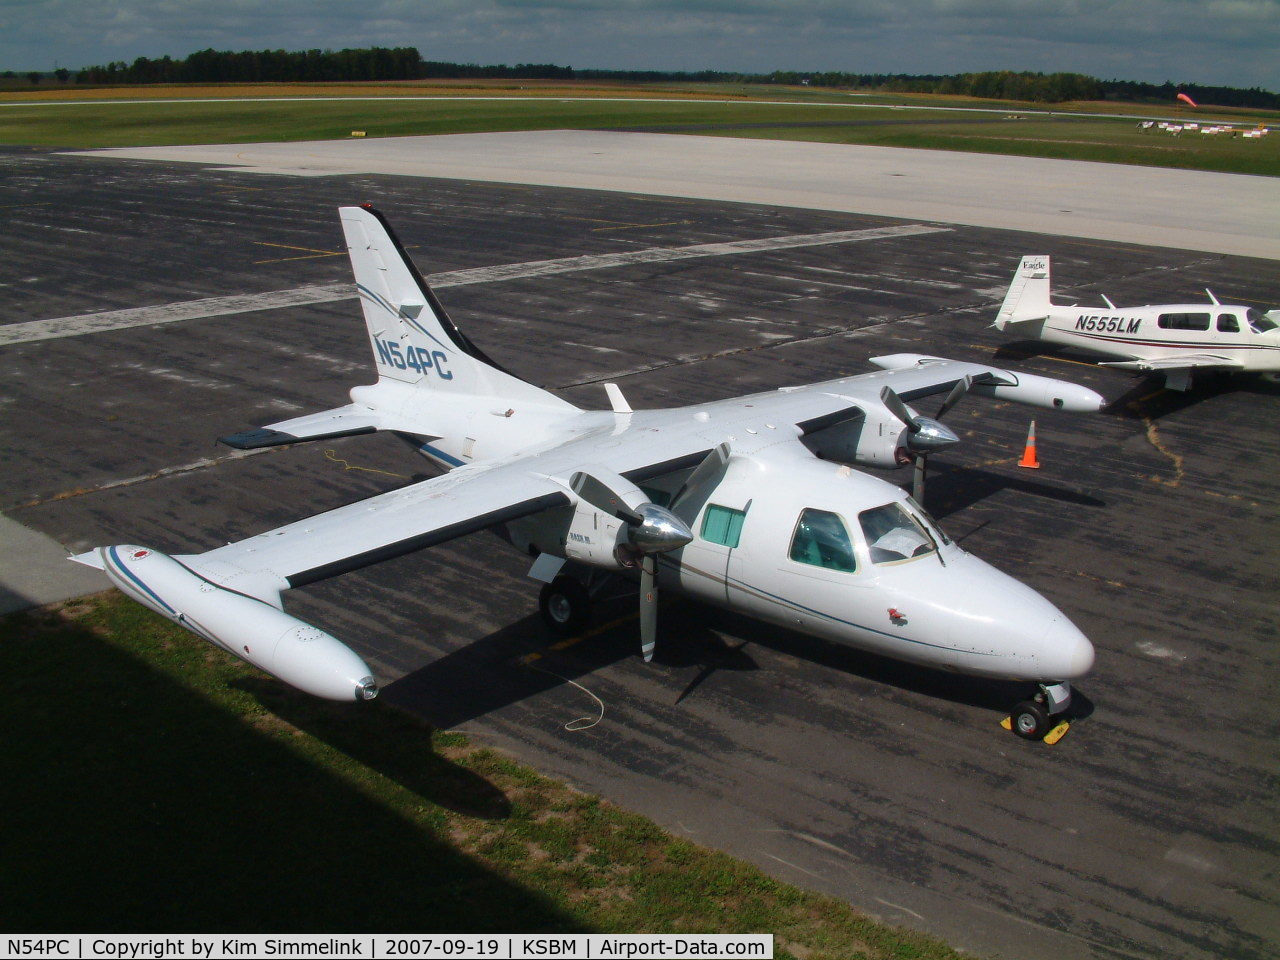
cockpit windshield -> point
(930, 524)
(893, 535)
(1258, 321)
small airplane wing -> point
(1201, 361)
(382, 527)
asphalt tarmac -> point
(1149, 831)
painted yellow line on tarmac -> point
(638, 226)
(311, 252)
(574, 640)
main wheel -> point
(1030, 720)
(565, 605)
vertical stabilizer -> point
(413, 340)
(1028, 296)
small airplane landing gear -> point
(1032, 719)
(565, 605)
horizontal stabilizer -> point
(345, 421)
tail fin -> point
(413, 339)
(1028, 296)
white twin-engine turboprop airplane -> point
(748, 503)
(1175, 339)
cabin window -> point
(1227, 323)
(894, 535)
(1184, 321)
(822, 540)
(722, 525)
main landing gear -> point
(565, 605)
(1032, 719)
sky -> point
(1216, 42)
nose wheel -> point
(1032, 719)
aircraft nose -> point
(1066, 653)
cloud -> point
(1205, 41)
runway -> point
(1150, 831)
(1184, 209)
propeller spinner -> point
(925, 435)
(650, 530)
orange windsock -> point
(1185, 99)
(1029, 454)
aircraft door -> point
(704, 563)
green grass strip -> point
(156, 785)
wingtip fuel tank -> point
(289, 649)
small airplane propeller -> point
(925, 435)
(650, 530)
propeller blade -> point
(648, 605)
(954, 397)
(597, 493)
(702, 474)
(917, 482)
(899, 409)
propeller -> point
(925, 435)
(650, 530)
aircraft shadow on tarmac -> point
(958, 487)
(518, 662)
(361, 733)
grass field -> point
(88, 118)
(154, 784)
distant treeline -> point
(406, 63)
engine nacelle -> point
(870, 438)
(289, 649)
(1036, 391)
(594, 537)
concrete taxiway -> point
(1150, 831)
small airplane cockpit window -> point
(822, 540)
(1227, 323)
(723, 525)
(894, 535)
(1258, 321)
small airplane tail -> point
(413, 340)
(421, 357)
(1028, 296)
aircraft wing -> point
(1191, 361)
(385, 526)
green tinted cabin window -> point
(822, 540)
(722, 525)
(1227, 323)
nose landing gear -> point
(1033, 719)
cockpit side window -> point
(1258, 321)
(822, 540)
(723, 525)
(894, 535)
(1227, 323)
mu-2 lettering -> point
(410, 357)
(1108, 324)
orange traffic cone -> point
(1029, 454)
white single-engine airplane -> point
(748, 503)
(1175, 339)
